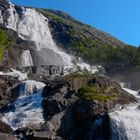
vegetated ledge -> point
(98, 87)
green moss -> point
(6, 42)
(3, 37)
(3, 41)
(94, 93)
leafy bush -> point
(94, 93)
(6, 42)
(3, 41)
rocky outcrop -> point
(4, 6)
(71, 117)
(4, 128)
(43, 71)
(13, 49)
(7, 85)
(67, 114)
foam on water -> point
(125, 123)
(133, 92)
(27, 109)
(17, 74)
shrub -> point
(93, 93)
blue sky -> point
(120, 18)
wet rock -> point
(4, 128)
(7, 85)
(5, 136)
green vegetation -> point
(6, 42)
(3, 41)
(92, 45)
(93, 92)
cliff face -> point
(11, 48)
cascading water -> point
(17, 74)
(26, 110)
(26, 59)
(133, 92)
(99, 129)
(1, 18)
(34, 27)
(125, 123)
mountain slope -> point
(56, 37)
(94, 46)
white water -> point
(27, 109)
(125, 123)
(26, 59)
(33, 26)
(1, 18)
(133, 92)
(16, 74)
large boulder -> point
(4, 128)
(7, 85)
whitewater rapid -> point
(26, 110)
(125, 122)
(17, 74)
(129, 90)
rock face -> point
(71, 117)
(4, 6)
(75, 107)
(14, 47)
(7, 84)
(67, 114)
(4, 128)
(43, 71)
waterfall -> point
(26, 110)
(26, 59)
(96, 129)
(33, 26)
(1, 18)
(125, 123)
(133, 92)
